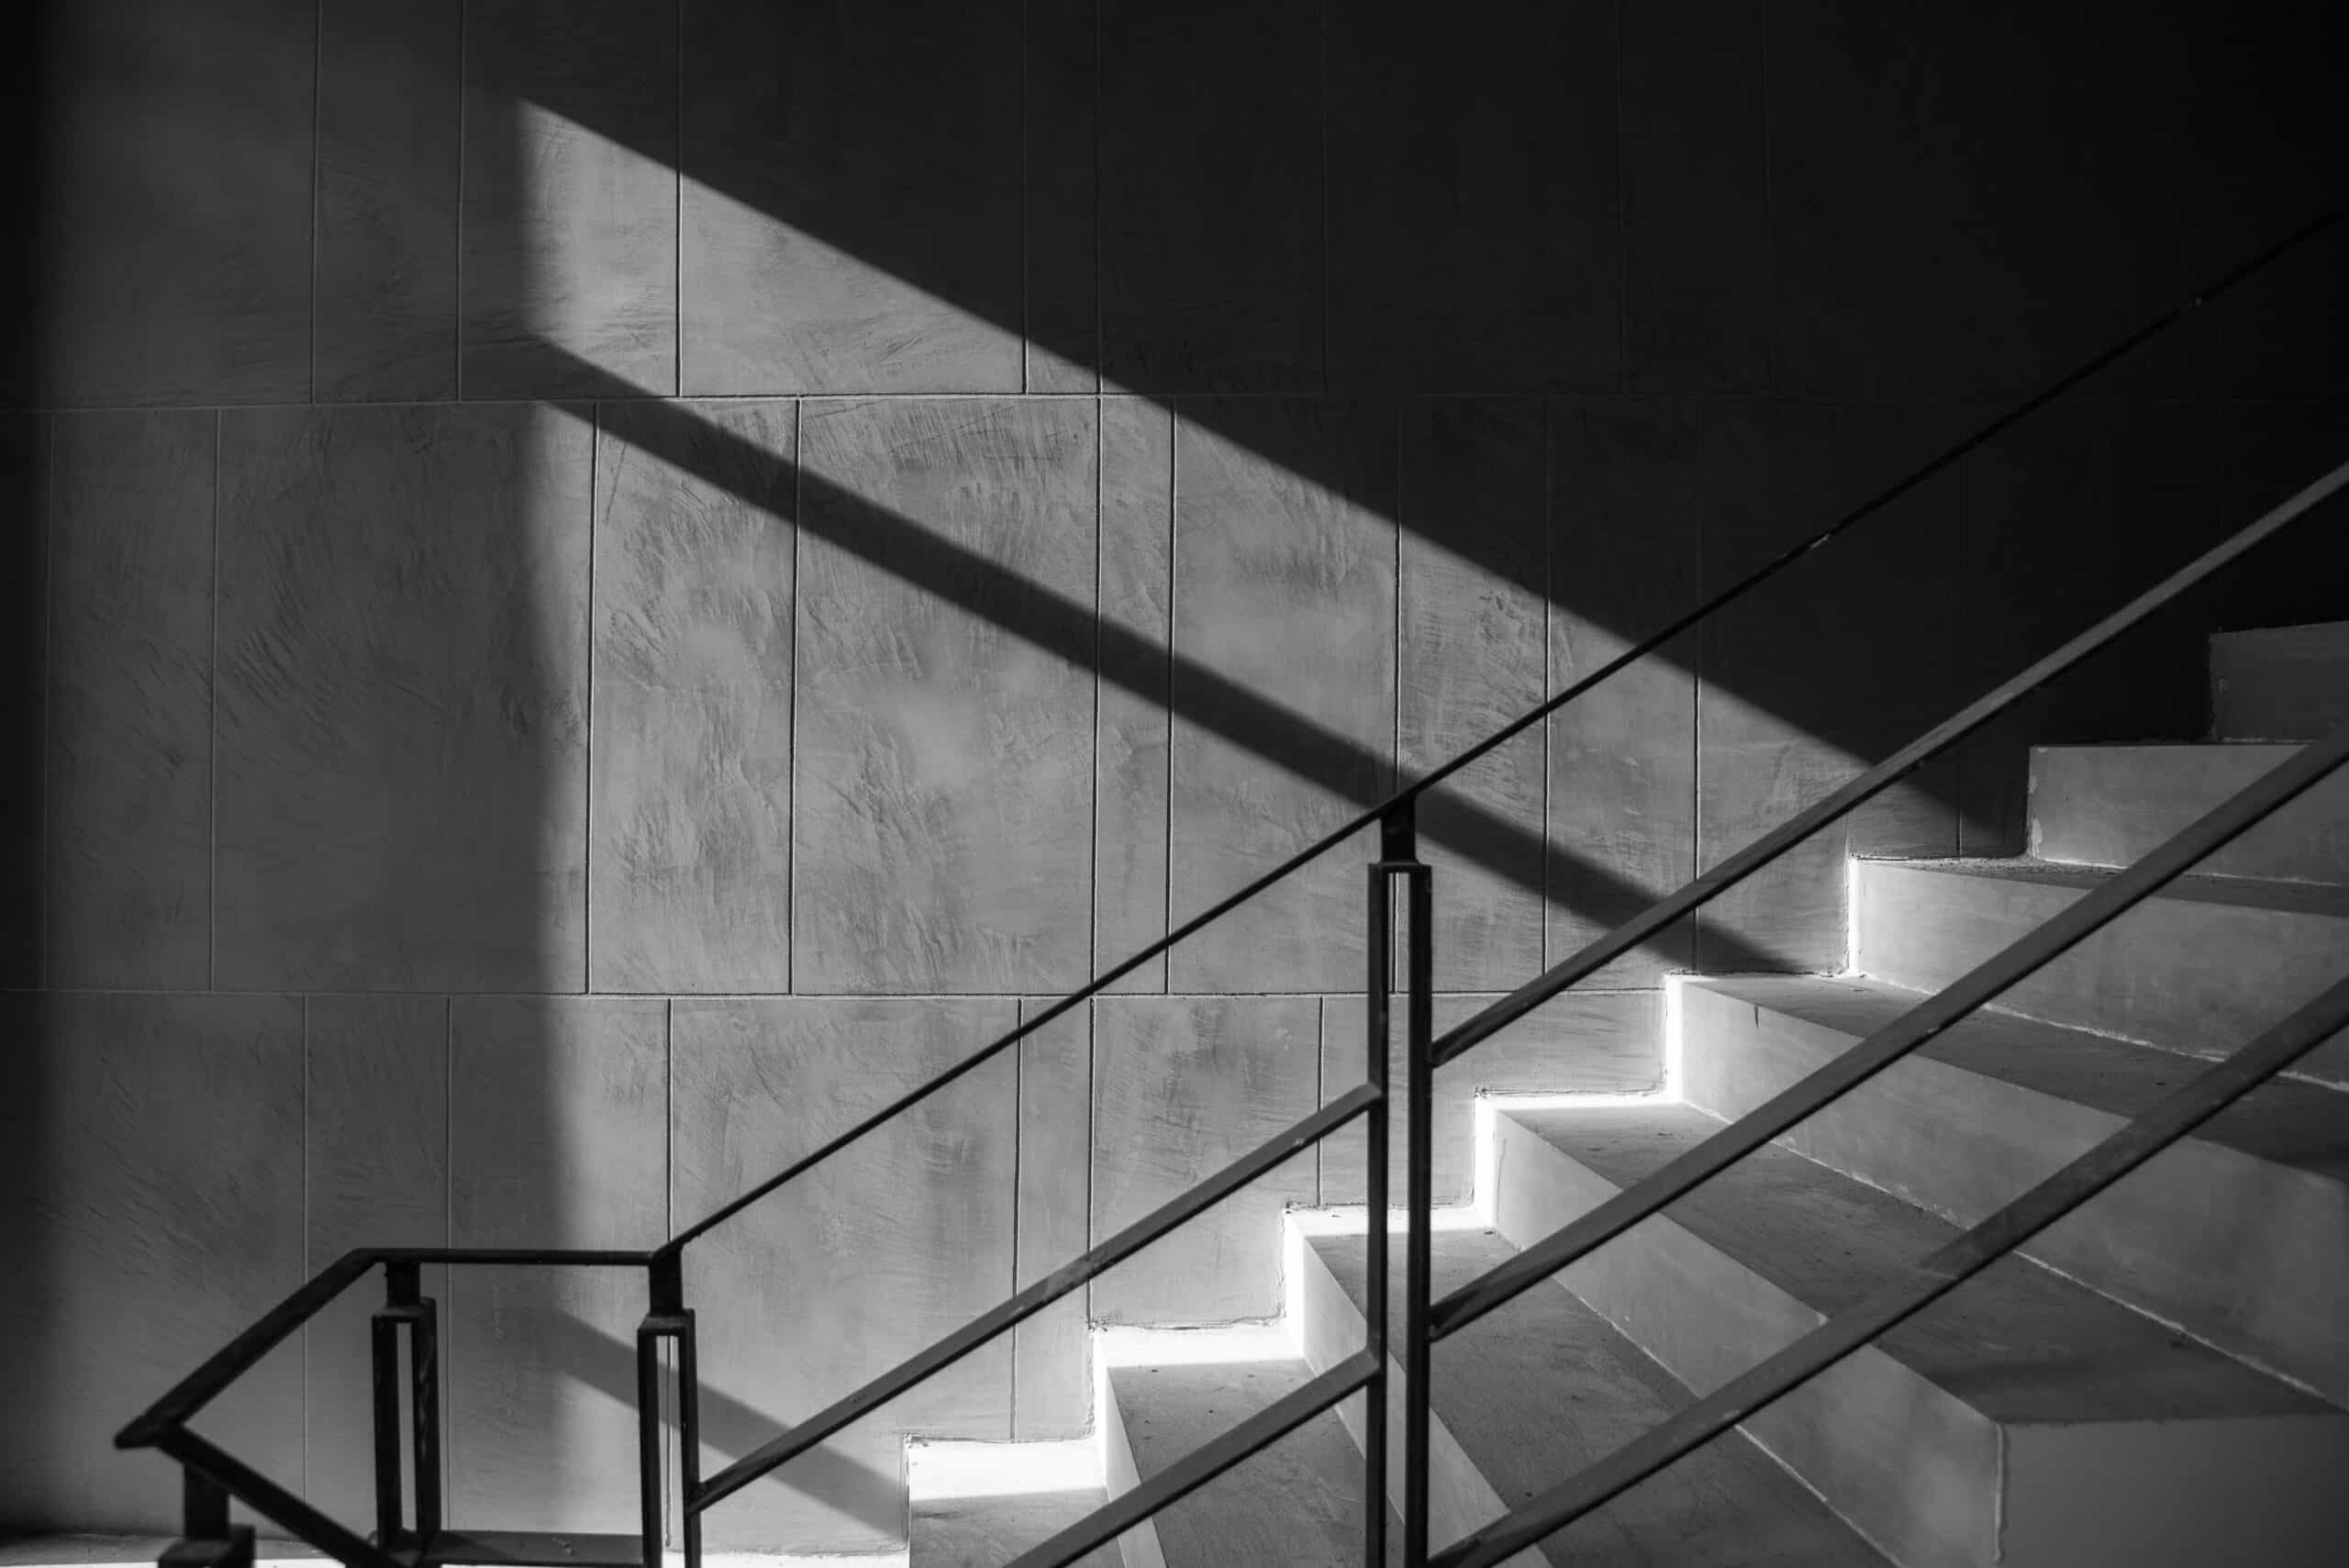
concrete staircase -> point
(2162, 1379)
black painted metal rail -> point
(406, 1408)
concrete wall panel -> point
(1696, 260)
(1475, 239)
(828, 148)
(1470, 659)
(403, 645)
(130, 700)
(943, 760)
(1134, 723)
(375, 1173)
(1627, 511)
(690, 852)
(165, 1220)
(1052, 1396)
(1209, 283)
(1182, 1086)
(388, 133)
(1285, 589)
(896, 1241)
(176, 206)
(24, 691)
(558, 1138)
(571, 185)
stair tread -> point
(1546, 1386)
(1298, 1501)
(2286, 1122)
(2018, 1343)
(981, 1532)
(2328, 899)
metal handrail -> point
(1427, 1324)
(164, 1424)
(1917, 1288)
(1405, 797)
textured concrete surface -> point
(689, 849)
(826, 149)
(556, 1138)
(402, 646)
(1052, 1393)
(388, 175)
(1131, 834)
(1469, 626)
(1182, 1086)
(165, 1217)
(129, 777)
(2289, 683)
(1510, 129)
(375, 1148)
(2106, 805)
(569, 269)
(1208, 283)
(949, 764)
(175, 179)
(895, 1242)
(1285, 587)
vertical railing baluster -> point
(424, 1366)
(206, 1538)
(667, 1317)
(1419, 1028)
(689, 1433)
(1379, 927)
(1399, 856)
(384, 1353)
(405, 1304)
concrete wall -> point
(594, 588)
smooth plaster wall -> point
(539, 684)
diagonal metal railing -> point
(407, 1429)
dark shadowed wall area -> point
(592, 587)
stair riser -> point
(1459, 1497)
(2107, 806)
(2186, 974)
(2250, 1256)
(2290, 684)
(1912, 1469)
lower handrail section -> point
(1915, 1288)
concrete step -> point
(1545, 1388)
(2239, 1235)
(2024, 1419)
(2201, 968)
(2286, 682)
(989, 1531)
(1298, 1501)
(2105, 806)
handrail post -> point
(1398, 856)
(1378, 943)
(407, 1306)
(668, 1317)
(1418, 1135)
(206, 1538)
